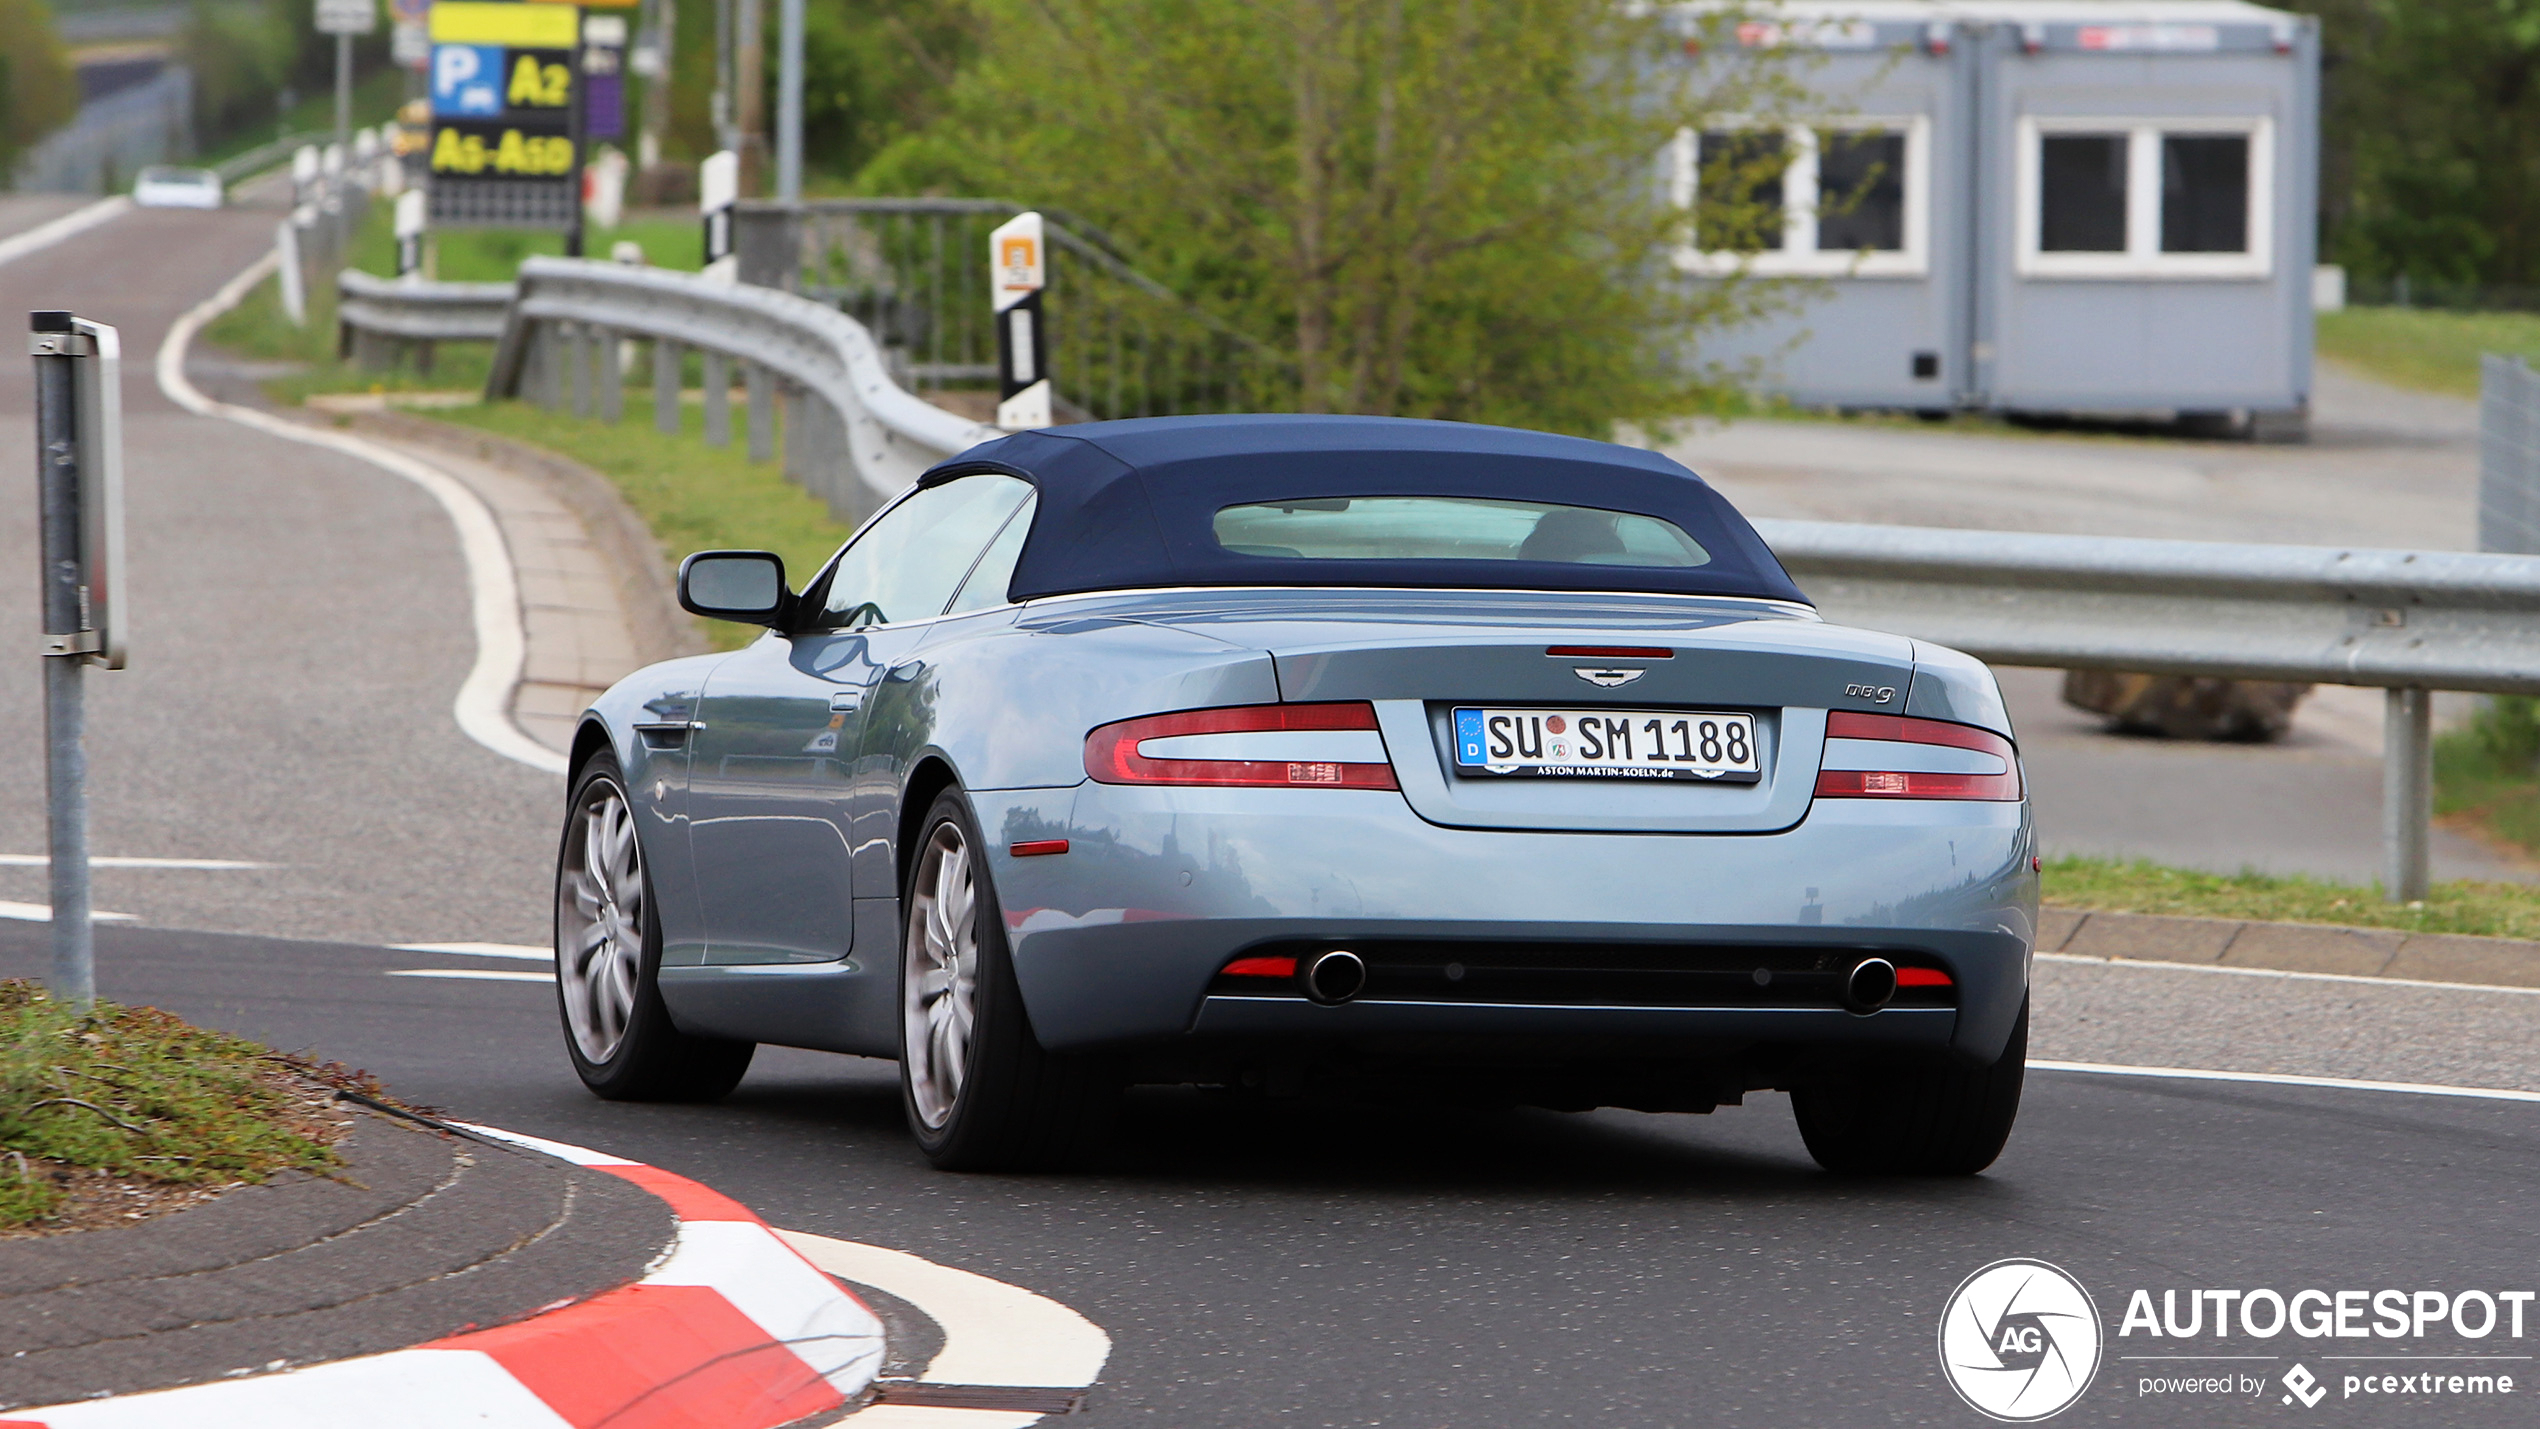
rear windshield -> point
(1453, 528)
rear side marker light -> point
(1112, 755)
(1613, 652)
(1923, 977)
(1904, 733)
(1261, 967)
(1035, 848)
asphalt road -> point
(1364, 1264)
(300, 626)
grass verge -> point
(135, 1102)
(2488, 773)
(2496, 910)
(693, 496)
(2430, 349)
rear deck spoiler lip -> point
(1790, 609)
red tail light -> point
(1910, 777)
(1259, 967)
(1112, 754)
(1909, 977)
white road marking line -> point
(522, 951)
(37, 860)
(483, 705)
(45, 235)
(2285, 973)
(473, 974)
(43, 913)
(994, 1333)
(2284, 1079)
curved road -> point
(303, 626)
(300, 624)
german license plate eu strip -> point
(1708, 746)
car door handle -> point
(841, 701)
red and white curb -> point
(731, 1329)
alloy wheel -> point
(939, 975)
(600, 923)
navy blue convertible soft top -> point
(1129, 505)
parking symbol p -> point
(467, 80)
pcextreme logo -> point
(2020, 1341)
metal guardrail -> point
(850, 435)
(267, 156)
(2408, 621)
(378, 319)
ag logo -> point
(2020, 1340)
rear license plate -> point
(1706, 745)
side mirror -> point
(746, 586)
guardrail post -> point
(762, 399)
(577, 350)
(718, 401)
(2407, 792)
(610, 373)
(539, 384)
(666, 387)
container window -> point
(2205, 193)
(1861, 192)
(1741, 186)
(2081, 193)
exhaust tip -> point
(1869, 986)
(1335, 977)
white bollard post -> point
(718, 188)
(1018, 271)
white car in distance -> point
(167, 186)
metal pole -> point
(57, 462)
(344, 92)
(789, 100)
(2407, 792)
(578, 136)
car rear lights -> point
(1260, 967)
(1324, 746)
(1613, 652)
(1872, 756)
(1920, 977)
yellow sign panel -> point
(510, 155)
(497, 22)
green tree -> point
(39, 92)
(1438, 208)
(2431, 145)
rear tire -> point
(1923, 1121)
(608, 961)
(980, 1093)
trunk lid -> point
(1420, 655)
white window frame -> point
(1799, 256)
(2143, 257)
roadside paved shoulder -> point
(2290, 947)
(595, 593)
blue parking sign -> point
(467, 80)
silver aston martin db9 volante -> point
(1271, 752)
